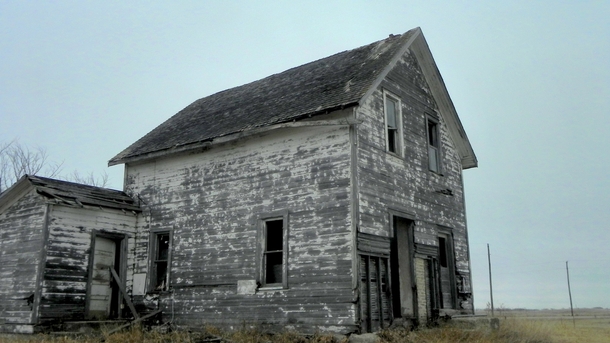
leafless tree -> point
(89, 179)
(17, 160)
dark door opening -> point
(404, 299)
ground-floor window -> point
(160, 252)
(273, 243)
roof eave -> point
(16, 191)
(206, 144)
(445, 104)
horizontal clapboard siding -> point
(213, 202)
(388, 182)
(21, 235)
(66, 273)
(371, 244)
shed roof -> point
(331, 83)
(72, 194)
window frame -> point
(153, 261)
(262, 250)
(397, 147)
(433, 144)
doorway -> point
(404, 296)
(103, 300)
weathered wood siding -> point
(66, 270)
(388, 182)
(213, 201)
(21, 236)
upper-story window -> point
(393, 123)
(434, 147)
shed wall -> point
(21, 235)
(213, 201)
(66, 269)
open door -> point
(404, 297)
(103, 296)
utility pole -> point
(491, 292)
(570, 293)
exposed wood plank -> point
(118, 281)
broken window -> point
(393, 124)
(274, 248)
(160, 261)
(433, 146)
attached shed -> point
(58, 242)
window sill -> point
(165, 291)
(271, 288)
(394, 154)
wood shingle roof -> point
(335, 82)
(76, 194)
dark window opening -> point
(274, 251)
(160, 262)
(442, 255)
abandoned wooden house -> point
(328, 197)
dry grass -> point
(211, 334)
(513, 329)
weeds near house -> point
(512, 330)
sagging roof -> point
(334, 82)
(73, 194)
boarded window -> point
(160, 262)
(375, 294)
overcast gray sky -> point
(530, 81)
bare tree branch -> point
(17, 160)
(89, 179)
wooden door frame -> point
(447, 233)
(120, 240)
(411, 242)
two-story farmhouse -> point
(326, 197)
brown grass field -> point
(516, 326)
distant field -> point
(587, 325)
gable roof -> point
(336, 82)
(69, 193)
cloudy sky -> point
(531, 83)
